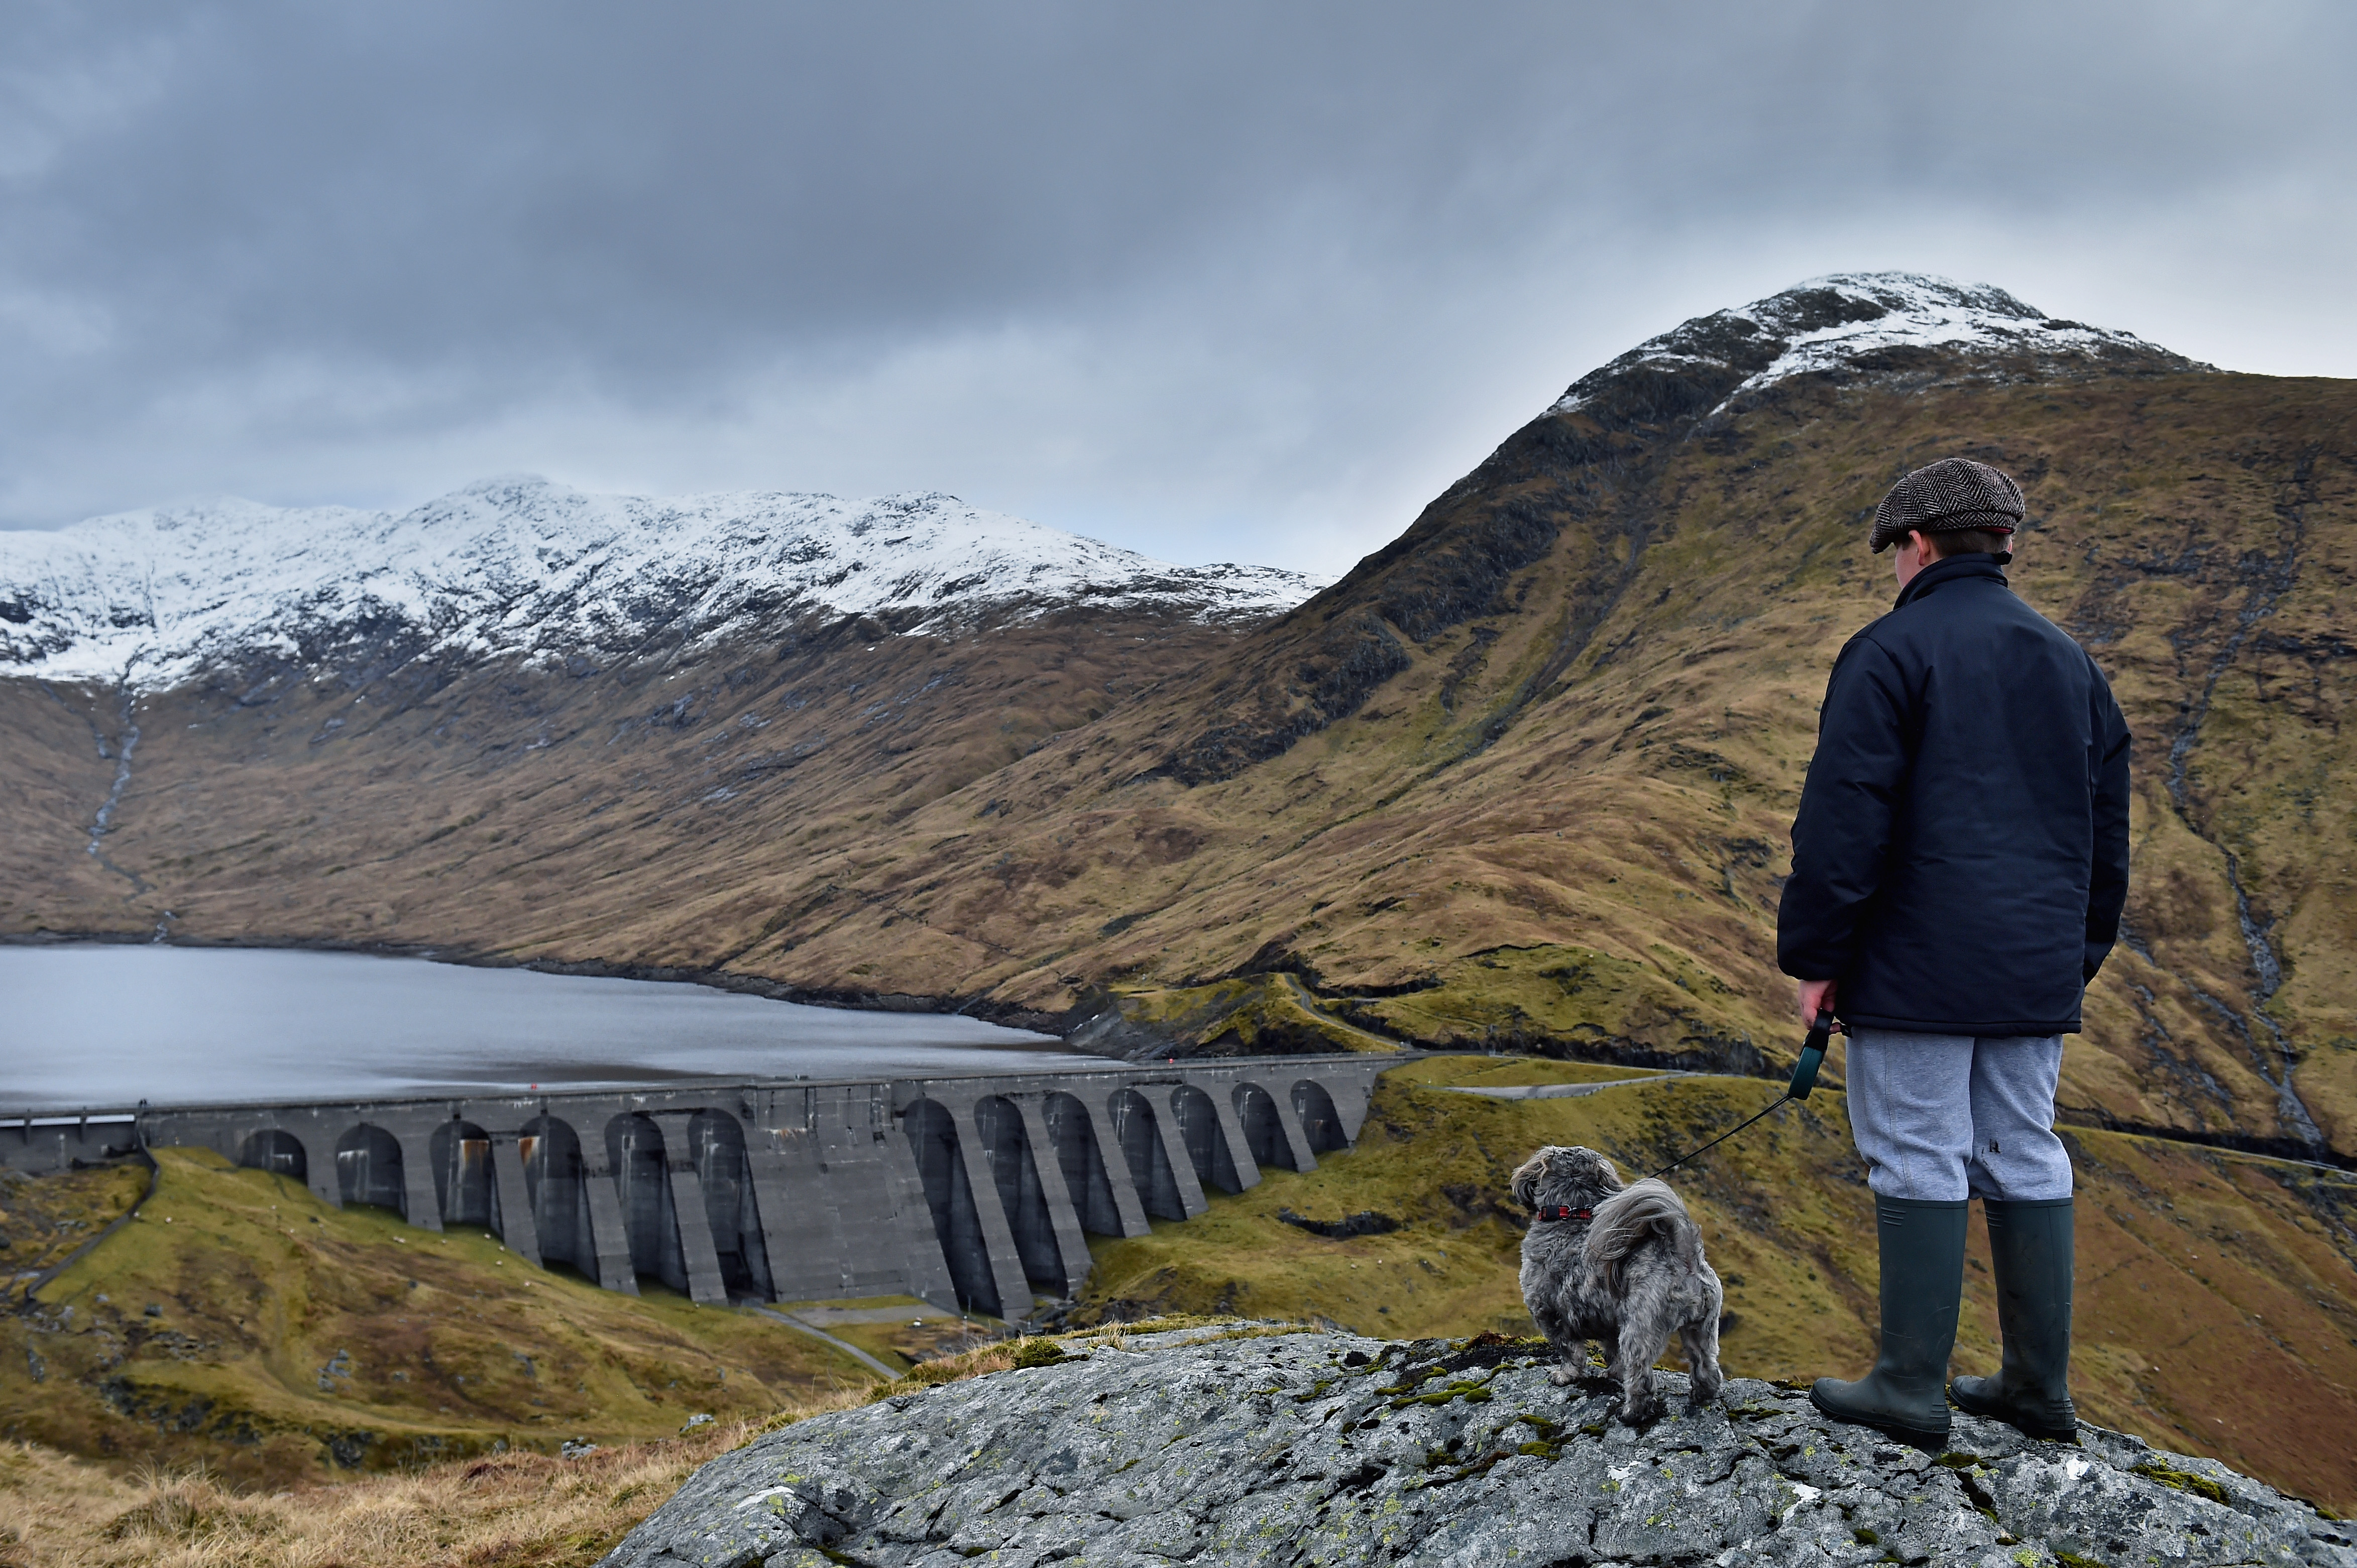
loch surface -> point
(104, 1026)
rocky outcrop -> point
(1254, 1445)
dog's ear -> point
(1525, 1184)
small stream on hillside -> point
(105, 1026)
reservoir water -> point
(104, 1026)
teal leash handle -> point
(1804, 1079)
(1812, 1056)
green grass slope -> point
(239, 1321)
(2215, 1312)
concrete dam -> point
(973, 1192)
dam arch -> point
(1320, 1120)
(463, 1190)
(368, 1168)
(634, 1146)
(1206, 1141)
(1014, 1171)
(933, 1135)
(551, 1152)
(1264, 1131)
(1139, 1134)
(1080, 1153)
(276, 1151)
(716, 1148)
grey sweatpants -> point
(1942, 1117)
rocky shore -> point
(1259, 1446)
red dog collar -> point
(1564, 1211)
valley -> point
(1518, 783)
(1522, 779)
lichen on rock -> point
(1213, 1446)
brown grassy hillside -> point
(428, 806)
(239, 1323)
(1561, 825)
(516, 1509)
(1523, 778)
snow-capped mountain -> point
(522, 567)
(1863, 323)
(525, 566)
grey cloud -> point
(1204, 273)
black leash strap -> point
(1804, 1079)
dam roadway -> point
(974, 1192)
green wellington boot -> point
(2029, 1246)
(1922, 1283)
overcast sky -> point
(1247, 281)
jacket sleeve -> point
(2107, 884)
(1841, 838)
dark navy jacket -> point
(1961, 854)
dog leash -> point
(1804, 1079)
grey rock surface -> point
(1248, 1446)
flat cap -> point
(1953, 493)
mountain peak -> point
(521, 481)
(1852, 323)
(523, 567)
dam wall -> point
(975, 1193)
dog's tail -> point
(1637, 1212)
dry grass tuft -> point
(513, 1510)
(996, 1357)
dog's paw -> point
(1639, 1416)
(1562, 1377)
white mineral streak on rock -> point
(1202, 1449)
(523, 567)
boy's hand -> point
(1817, 996)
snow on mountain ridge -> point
(521, 565)
(1850, 320)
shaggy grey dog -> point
(1622, 1266)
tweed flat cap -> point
(1953, 493)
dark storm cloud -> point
(1195, 277)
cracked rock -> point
(1245, 1447)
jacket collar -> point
(1953, 568)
